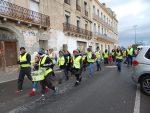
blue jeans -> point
(118, 63)
(98, 65)
(35, 85)
(91, 69)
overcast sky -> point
(130, 13)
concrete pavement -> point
(107, 92)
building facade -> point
(46, 24)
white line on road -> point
(137, 101)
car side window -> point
(147, 55)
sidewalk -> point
(12, 74)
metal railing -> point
(74, 29)
(104, 36)
(15, 12)
(96, 17)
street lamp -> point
(135, 28)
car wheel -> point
(145, 85)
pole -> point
(135, 27)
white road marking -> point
(59, 71)
(137, 101)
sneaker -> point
(56, 91)
(32, 93)
(19, 91)
(46, 90)
(76, 84)
(43, 97)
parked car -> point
(141, 70)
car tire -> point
(145, 85)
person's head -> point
(22, 50)
(60, 53)
(75, 52)
(106, 50)
(37, 58)
(89, 49)
(97, 49)
(41, 53)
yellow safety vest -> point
(98, 55)
(24, 59)
(119, 56)
(76, 62)
(61, 61)
(89, 57)
(83, 57)
(42, 62)
(106, 55)
(130, 51)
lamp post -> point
(135, 28)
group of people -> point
(40, 69)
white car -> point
(141, 70)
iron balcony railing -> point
(15, 12)
(96, 17)
(104, 36)
(74, 29)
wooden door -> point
(11, 53)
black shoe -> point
(67, 78)
(76, 84)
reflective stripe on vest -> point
(98, 55)
(89, 57)
(119, 56)
(24, 59)
(42, 63)
(61, 61)
(106, 55)
(76, 62)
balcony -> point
(67, 2)
(96, 17)
(78, 8)
(104, 37)
(72, 29)
(86, 13)
(24, 15)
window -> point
(94, 28)
(67, 17)
(34, 6)
(101, 15)
(86, 25)
(147, 55)
(93, 9)
(98, 12)
(67, 1)
(98, 29)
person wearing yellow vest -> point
(106, 55)
(130, 51)
(77, 66)
(25, 68)
(114, 55)
(52, 57)
(119, 59)
(46, 63)
(90, 59)
(98, 59)
(67, 68)
(61, 63)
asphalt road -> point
(107, 92)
